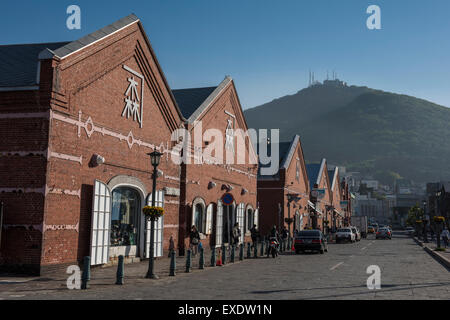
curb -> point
(434, 254)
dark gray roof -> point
(313, 173)
(95, 36)
(189, 100)
(19, 63)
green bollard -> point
(86, 273)
(249, 251)
(201, 263)
(255, 250)
(224, 255)
(213, 257)
(120, 269)
(173, 264)
(188, 261)
(241, 252)
(232, 254)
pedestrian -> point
(236, 233)
(171, 245)
(194, 238)
(445, 236)
(295, 233)
(254, 234)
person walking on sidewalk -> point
(194, 238)
(236, 234)
(254, 234)
(171, 244)
(445, 235)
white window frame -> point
(202, 203)
(158, 237)
(219, 224)
(101, 221)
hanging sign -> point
(227, 199)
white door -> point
(219, 223)
(159, 227)
(101, 218)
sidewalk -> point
(104, 277)
(442, 256)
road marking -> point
(339, 264)
(17, 295)
(364, 248)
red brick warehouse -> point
(77, 121)
(206, 181)
(92, 113)
(284, 197)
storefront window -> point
(126, 207)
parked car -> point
(357, 233)
(384, 233)
(312, 240)
(410, 230)
(345, 234)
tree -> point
(414, 214)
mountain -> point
(383, 134)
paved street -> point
(407, 272)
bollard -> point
(255, 250)
(262, 248)
(188, 261)
(86, 273)
(173, 264)
(248, 251)
(232, 253)
(201, 263)
(213, 257)
(224, 255)
(120, 267)
(241, 252)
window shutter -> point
(101, 219)
(219, 224)
(209, 215)
(256, 218)
(159, 227)
(240, 219)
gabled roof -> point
(332, 174)
(283, 150)
(192, 102)
(286, 156)
(19, 63)
(91, 38)
(189, 100)
(314, 171)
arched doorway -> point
(125, 221)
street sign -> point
(227, 199)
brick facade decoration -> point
(98, 106)
(283, 198)
(205, 180)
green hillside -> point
(379, 133)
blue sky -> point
(267, 46)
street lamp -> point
(155, 158)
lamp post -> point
(155, 157)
